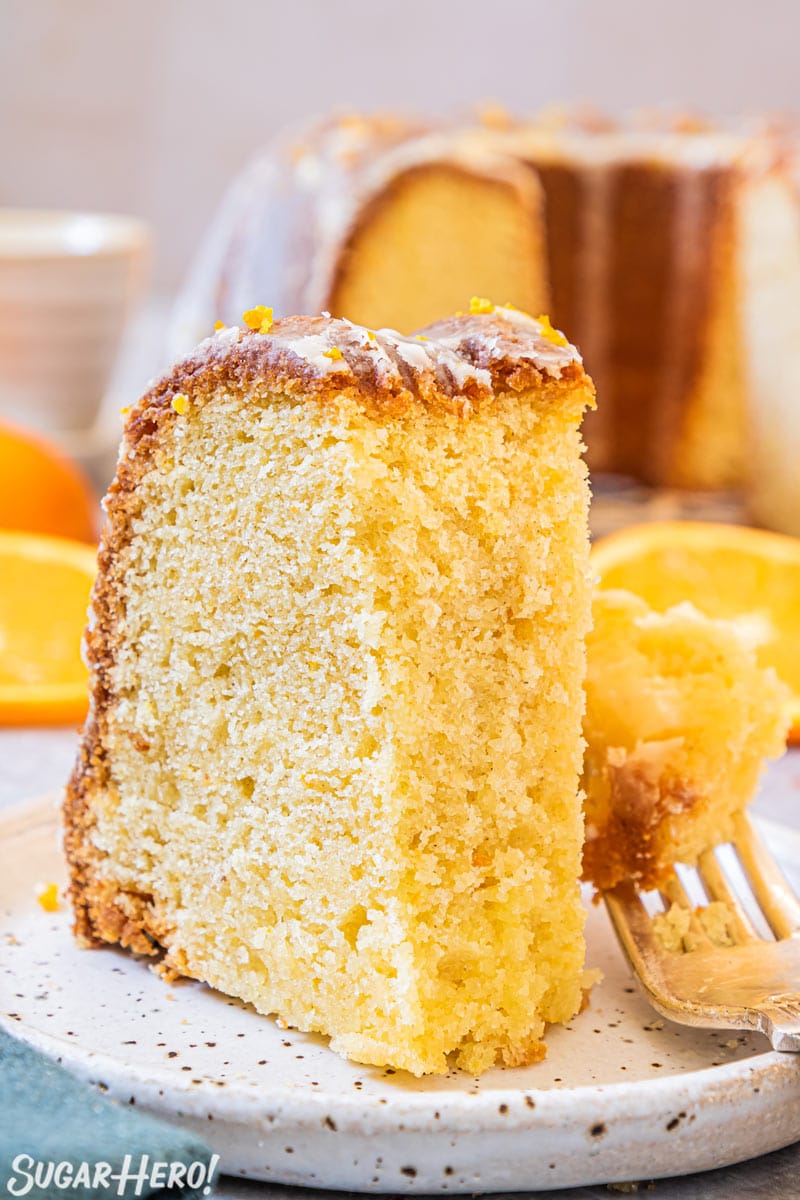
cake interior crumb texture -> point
(680, 719)
(341, 746)
(440, 233)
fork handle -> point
(780, 1021)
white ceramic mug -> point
(68, 283)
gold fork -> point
(752, 984)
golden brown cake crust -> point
(453, 367)
(104, 913)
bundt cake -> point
(337, 653)
(679, 721)
(662, 253)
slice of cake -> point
(679, 721)
(337, 654)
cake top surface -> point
(454, 364)
(349, 141)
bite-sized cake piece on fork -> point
(337, 658)
(680, 720)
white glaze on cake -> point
(462, 358)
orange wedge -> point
(726, 571)
(44, 594)
(43, 491)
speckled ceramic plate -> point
(621, 1095)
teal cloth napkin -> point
(61, 1139)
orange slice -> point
(43, 491)
(44, 594)
(726, 571)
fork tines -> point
(753, 983)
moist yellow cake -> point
(337, 654)
(669, 248)
(679, 721)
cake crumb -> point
(717, 921)
(662, 781)
(673, 927)
(590, 977)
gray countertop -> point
(34, 761)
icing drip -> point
(317, 350)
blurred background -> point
(150, 108)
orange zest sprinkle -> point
(420, 337)
(123, 412)
(371, 334)
(549, 333)
(334, 353)
(181, 404)
(259, 318)
(219, 325)
(48, 898)
(479, 304)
